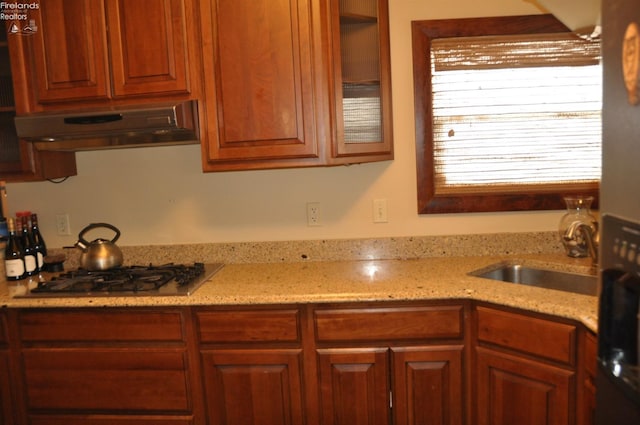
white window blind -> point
(514, 112)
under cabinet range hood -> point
(124, 127)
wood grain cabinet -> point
(97, 367)
(19, 161)
(587, 385)
(274, 85)
(400, 365)
(6, 380)
(87, 52)
(252, 366)
(525, 369)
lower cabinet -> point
(401, 363)
(253, 386)
(398, 385)
(6, 407)
(514, 390)
(391, 365)
(6, 379)
(252, 366)
(525, 371)
(98, 367)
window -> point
(507, 114)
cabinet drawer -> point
(100, 326)
(539, 337)
(107, 420)
(107, 380)
(249, 326)
(396, 323)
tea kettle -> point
(101, 254)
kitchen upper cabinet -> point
(87, 52)
(271, 71)
(382, 365)
(525, 369)
(19, 161)
(362, 78)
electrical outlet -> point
(62, 224)
(380, 211)
(313, 214)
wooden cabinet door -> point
(427, 385)
(354, 386)
(6, 402)
(253, 387)
(362, 81)
(69, 52)
(260, 82)
(148, 47)
(513, 390)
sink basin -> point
(550, 279)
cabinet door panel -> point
(354, 386)
(93, 379)
(259, 78)
(69, 51)
(427, 387)
(512, 390)
(148, 47)
(253, 387)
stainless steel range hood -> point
(144, 125)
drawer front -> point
(108, 420)
(249, 326)
(107, 380)
(539, 337)
(100, 326)
(401, 323)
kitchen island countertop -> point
(435, 278)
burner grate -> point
(130, 279)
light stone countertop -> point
(431, 278)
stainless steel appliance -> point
(618, 377)
(150, 280)
(617, 387)
(109, 128)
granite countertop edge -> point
(422, 279)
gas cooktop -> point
(150, 280)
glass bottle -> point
(30, 258)
(572, 236)
(38, 242)
(14, 255)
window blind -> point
(514, 111)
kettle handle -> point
(96, 225)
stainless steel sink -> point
(585, 284)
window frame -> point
(431, 202)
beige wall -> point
(160, 196)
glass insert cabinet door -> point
(362, 77)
